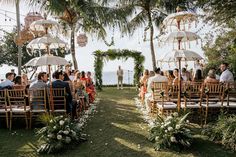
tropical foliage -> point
(59, 132)
(172, 132)
(223, 131)
(112, 54)
(88, 16)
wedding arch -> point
(112, 54)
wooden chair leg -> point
(7, 123)
(30, 120)
(26, 120)
(206, 114)
(10, 120)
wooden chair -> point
(161, 100)
(57, 100)
(38, 103)
(212, 100)
(192, 97)
(4, 109)
(80, 104)
(230, 89)
(18, 107)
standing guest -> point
(41, 82)
(226, 75)
(119, 74)
(143, 82)
(8, 82)
(197, 66)
(90, 89)
(198, 76)
(211, 78)
(67, 73)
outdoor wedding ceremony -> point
(124, 78)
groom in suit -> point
(59, 83)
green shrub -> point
(172, 132)
(223, 131)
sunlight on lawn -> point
(128, 144)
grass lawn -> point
(116, 130)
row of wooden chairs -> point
(16, 103)
(207, 98)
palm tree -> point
(150, 13)
(91, 16)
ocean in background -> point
(109, 78)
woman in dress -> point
(143, 84)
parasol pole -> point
(179, 60)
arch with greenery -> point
(112, 54)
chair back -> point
(17, 98)
(194, 90)
(3, 100)
(58, 99)
(38, 99)
(160, 91)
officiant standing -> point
(120, 78)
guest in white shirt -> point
(226, 75)
(157, 78)
(8, 82)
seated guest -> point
(24, 80)
(185, 75)
(170, 77)
(8, 82)
(211, 78)
(18, 83)
(176, 79)
(198, 76)
(41, 82)
(59, 83)
(226, 75)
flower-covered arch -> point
(113, 54)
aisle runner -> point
(147, 118)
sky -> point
(84, 54)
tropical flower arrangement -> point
(172, 132)
(223, 131)
(59, 132)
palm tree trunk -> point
(18, 36)
(72, 49)
(151, 41)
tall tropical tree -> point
(91, 16)
(149, 14)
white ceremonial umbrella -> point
(46, 40)
(179, 18)
(185, 55)
(44, 25)
(182, 36)
(46, 60)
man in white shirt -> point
(226, 75)
(157, 78)
(120, 78)
(8, 82)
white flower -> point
(168, 118)
(187, 121)
(156, 138)
(66, 132)
(175, 114)
(170, 128)
(162, 126)
(50, 135)
(61, 122)
(61, 116)
(168, 123)
(177, 127)
(173, 139)
(166, 131)
(55, 127)
(59, 137)
(68, 139)
(51, 121)
(73, 133)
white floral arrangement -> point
(172, 132)
(59, 132)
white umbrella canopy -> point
(43, 24)
(46, 60)
(46, 40)
(185, 55)
(183, 36)
(184, 17)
